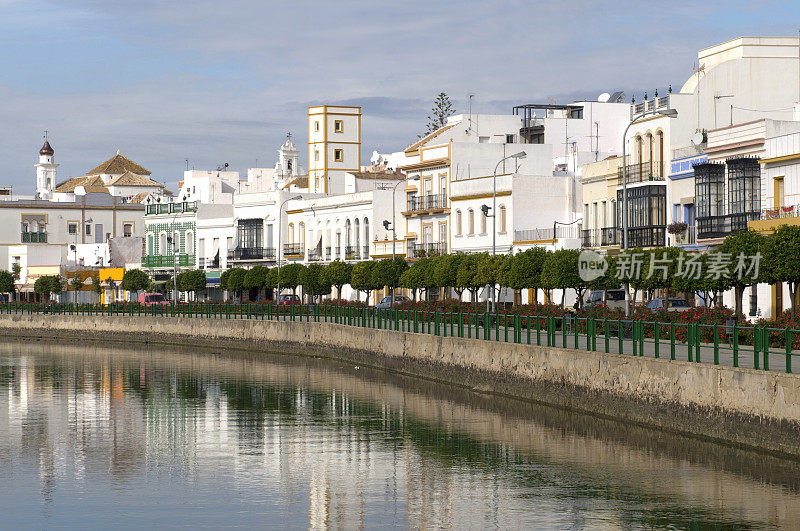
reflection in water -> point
(129, 437)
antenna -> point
(187, 164)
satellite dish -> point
(697, 138)
(604, 97)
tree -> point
(742, 246)
(193, 281)
(290, 276)
(97, 287)
(466, 277)
(233, 281)
(339, 274)
(560, 271)
(256, 278)
(361, 278)
(445, 272)
(314, 279)
(781, 260)
(524, 270)
(75, 282)
(16, 270)
(490, 270)
(135, 280)
(6, 282)
(47, 285)
(387, 272)
(442, 109)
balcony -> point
(650, 236)
(600, 237)
(181, 260)
(721, 226)
(252, 253)
(34, 237)
(328, 254)
(650, 105)
(687, 237)
(547, 233)
(792, 211)
(292, 249)
(171, 208)
(426, 204)
(423, 250)
(351, 253)
(315, 255)
(640, 173)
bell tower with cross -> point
(46, 171)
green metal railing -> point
(729, 344)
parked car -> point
(289, 300)
(671, 305)
(386, 302)
(153, 299)
(613, 299)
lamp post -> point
(394, 233)
(485, 209)
(280, 231)
(671, 113)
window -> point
(483, 222)
(338, 126)
(502, 222)
(149, 244)
(316, 154)
(72, 227)
(442, 235)
(471, 222)
(98, 233)
(189, 242)
(744, 186)
(127, 230)
(483, 139)
(301, 234)
(249, 233)
(291, 232)
(458, 223)
(163, 248)
(88, 229)
(338, 155)
(316, 125)
(509, 139)
(316, 182)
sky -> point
(215, 82)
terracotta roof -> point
(427, 137)
(300, 181)
(96, 189)
(138, 198)
(47, 149)
(117, 165)
(126, 179)
(378, 175)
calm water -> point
(92, 436)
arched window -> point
(638, 154)
(291, 232)
(502, 220)
(366, 238)
(163, 248)
(357, 230)
(660, 152)
(189, 242)
(458, 223)
(176, 242)
(483, 222)
(150, 244)
(24, 226)
(347, 234)
(301, 234)
(471, 221)
(650, 153)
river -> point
(95, 435)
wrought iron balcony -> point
(181, 260)
(423, 203)
(721, 226)
(641, 172)
(610, 236)
(422, 250)
(292, 249)
(351, 253)
(252, 253)
(171, 208)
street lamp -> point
(394, 233)
(485, 208)
(280, 230)
(670, 113)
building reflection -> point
(355, 452)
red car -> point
(289, 300)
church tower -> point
(288, 160)
(334, 146)
(46, 172)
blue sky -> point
(214, 82)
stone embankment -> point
(737, 406)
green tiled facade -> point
(155, 256)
